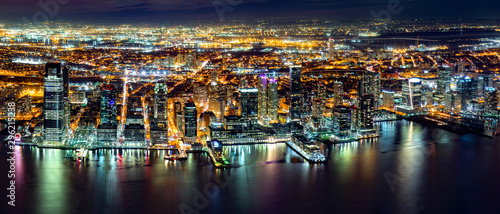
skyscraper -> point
(200, 94)
(467, 87)
(444, 79)
(366, 103)
(295, 93)
(263, 100)
(56, 93)
(365, 114)
(249, 102)
(338, 93)
(331, 48)
(159, 122)
(377, 90)
(484, 81)
(491, 100)
(321, 91)
(370, 85)
(448, 101)
(388, 99)
(160, 102)
(108, 105)
(191, 122)
(179, 116)
(272, 106)
(341, 118)
(412, 93)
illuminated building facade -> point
(159, 123)
(491, 100)
(160, 102)
(200, 93)
(108, 105)
(56, 92)
(321, 91)
(444, 79)
(369, 84)
(295, 93)
(341, 119)
(263, 100)
(412, 93)
(468, 89)
(388, 99)
(191, 122)
(338, 93)
(179, 116)
(331, 48)
(272, 106)
(366, 89)
(249, 102)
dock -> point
(309, 151)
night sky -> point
(159, 10)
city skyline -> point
(292, 114)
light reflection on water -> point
(431, 165)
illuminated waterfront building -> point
(295, 93)
(107, 135)
(160, 103)
(468, 89)
(249, 102)
(263, 100)
(444, 79)
(377, 89)
(365, 114)
(135, 133)
(448, 101)
(108, 105)
(428, 97)
(457, 102)
(412, 93)
(159, 122)
(388, 99)
(191, 122)
(370, 85)
(56, 91)
(491, 100)
(272, 107)
(341, 119)
(484, 82)
(366, 102)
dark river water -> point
(409, 169)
